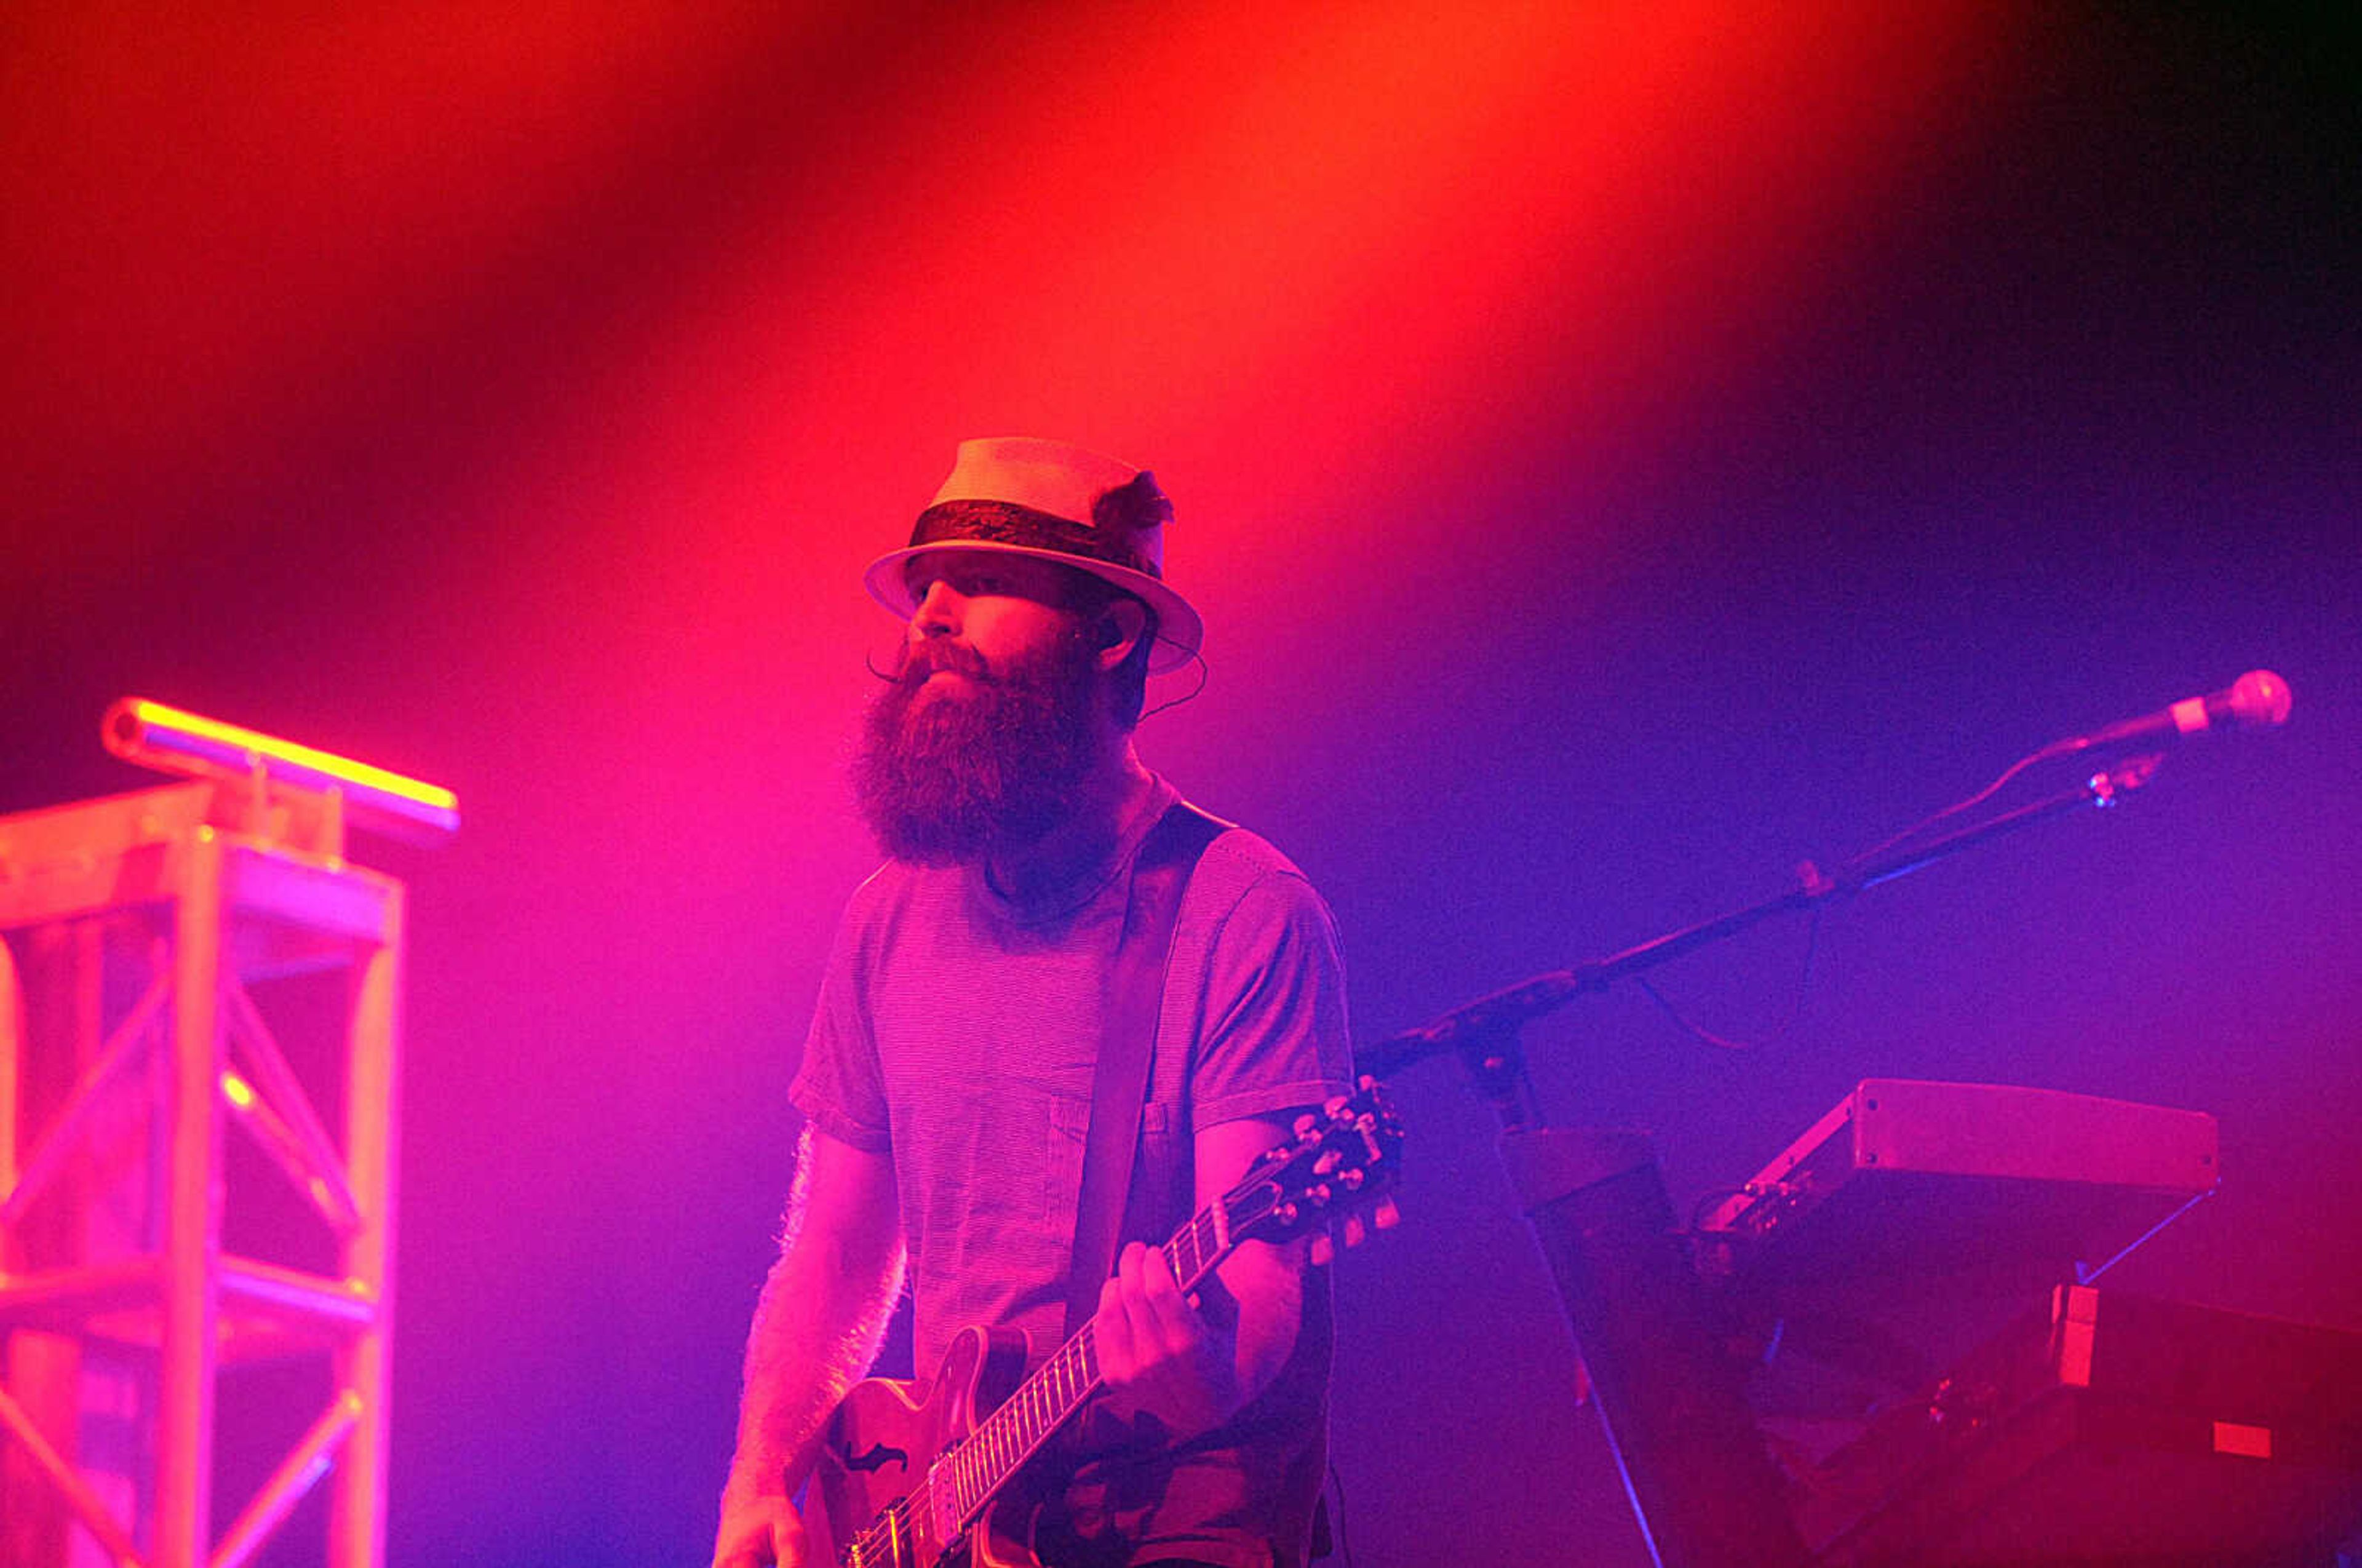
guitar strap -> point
(1119, 1085)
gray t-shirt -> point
(959, 1032)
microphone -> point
(2256, 700)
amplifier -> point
(2106, 1428)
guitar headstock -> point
(1332, 1178)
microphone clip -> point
(2110, 784)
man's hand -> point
(1158, 1354)
(758, 1531)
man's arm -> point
(817, 1327)
(1195, 1368)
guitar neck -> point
(1041, 1403)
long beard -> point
(948, 776)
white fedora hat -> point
(1055, 501)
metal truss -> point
(131, 1046)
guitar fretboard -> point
(1041, 1405)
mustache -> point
(921, 660)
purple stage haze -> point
(1617, 462)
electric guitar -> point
(913, 1475)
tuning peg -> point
(1386, 1216)
(1356, 1231)
(1306, 1123)
(1324, 1251)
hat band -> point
(1006, 523)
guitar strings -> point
(1018, 1429)
(1004, 1430)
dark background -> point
(1618, 455)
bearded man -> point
(949, 1078)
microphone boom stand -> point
(1702, 1487)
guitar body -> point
(887, 1431)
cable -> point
(1344, 1547)
(1205, 674)
(1781, 1033)
(2067, 747)
(2055, 748)
(1685, 1026)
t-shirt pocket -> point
(1069, 1133)
(998, 1200)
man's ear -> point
(1119, 626)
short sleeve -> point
(1274, 1034)
(839, 1085)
